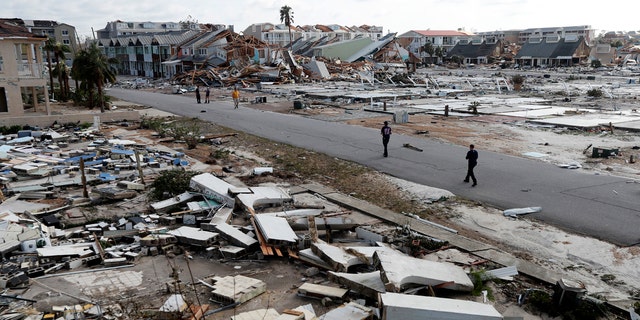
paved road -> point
(601, 206)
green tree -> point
(428, 48)
(171, 183)
(60, 71)
(94, 70)
(286, 16)
(58, 49)
(457, 60)
(440, 52)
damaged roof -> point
(9, 28)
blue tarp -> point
(84, 156)
(122, 151)
(178, 162)
(105, 176)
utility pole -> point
(84, 179)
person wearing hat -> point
(386, 135)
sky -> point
(397, 16)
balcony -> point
(30, 70)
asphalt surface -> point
(601, 206)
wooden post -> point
(84, 179)
(139, 167)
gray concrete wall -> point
(46, 121)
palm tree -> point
(58, 49)
(49, 46)
(62, 74)
(286, 16)
(94, 70)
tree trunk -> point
(50, 73)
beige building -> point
(23, 87)
(61, 32)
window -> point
(65, 32)
(66, 41)
(202, 51)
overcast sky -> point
(394, 15)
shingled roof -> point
(474, 50)
(9, 28)
(550, 49)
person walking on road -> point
(206, 95)
(472, 158)
(198, 94)
(386, 135)
(236, 97)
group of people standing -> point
(235, 95)
(472, 154)
(206, 95)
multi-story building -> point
(522, 36)
(23, 87)
(61, 32)
(574, 32)
(144, 55)
(414, 40)
(507, 36)
(129, 28)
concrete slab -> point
(237, 289)
(545, 112)
(630, 125)
(368, 284)
(311, 258)
(264, 197)
(403, 306)
(213, 187)
(587, 121)
(368, 252)
(14, 205)
(337, 257)
(349, 311)
(233, 235)
(108, 282)
(275, 230)
(321, 291)
(402, 272)
(164, 205)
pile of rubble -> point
(367, 270)
(297, 69)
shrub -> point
(595, 93)
(171, 183)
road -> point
(601, 206)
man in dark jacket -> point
(386, 135)
(472, 158)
